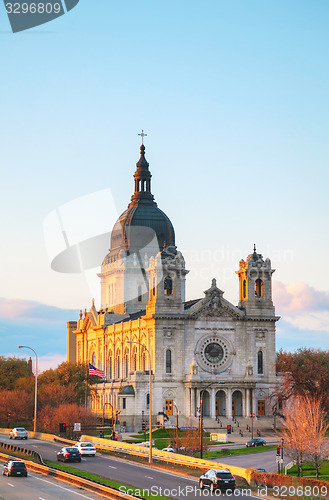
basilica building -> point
(145, 325)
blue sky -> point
(234, 98)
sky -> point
(233, 95)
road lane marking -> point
(12, 485)
(149, 477)
(62, 487)
(113, 467)
(40, 498)
(171, 474)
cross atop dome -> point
(142, 134)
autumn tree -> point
(74, 377)
(304, 431)
(317, 445)
(54, 394)
(15, 405)
(50, 417)
(304, 372)
(11, 370)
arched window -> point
(168, 361)
(139, 293)
(244, 287)
(93, 359)
(167, 283)
(133, 363)
(153, 287)
(258, 288)
(118, 364)
(110, 365)
(126, 363)
(260, 362)
(144, 361)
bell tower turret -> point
(166, 283)
(255, 285)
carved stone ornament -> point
(260, 333)
(213, 306)
(168, 394)
(193, 368)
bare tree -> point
(304, 431)
(317, 445)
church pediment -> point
(214, 305)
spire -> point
(254, 247)
(142, 176)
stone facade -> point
(206, 345)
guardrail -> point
(14, 448)
(133, 449)
(86, 484)
(165, 456)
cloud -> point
(28, 310)
(40, 326)
(299, 297)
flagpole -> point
(86, 385)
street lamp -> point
(201, 413)
(36, 384)
(176, 420)
(252, 416)
(150, 396)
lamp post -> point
(176, 421)
(282, 443)
(150, 395)
(201, 413)
(114, 416)
(36, 384)
(252, 416)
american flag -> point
(96, 372)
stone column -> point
(247, 403)
(253, 401)
(212, 403)
(192, 407)
(229, 403)
(244, 403)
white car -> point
(18, 433)
(86, 448)
(171, 450)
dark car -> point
(69, 455)
(217, 478)
(14, 468)
(256, 442)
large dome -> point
(143, 224)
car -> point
(256, 442)
(261, 470)
(86, 448)
(169, 448)
(69, 454)
(221, 479)
(14, 468)
(18, 433)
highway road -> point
(39, 487)
(141, 476)
(263, 459)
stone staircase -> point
(261, 424)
